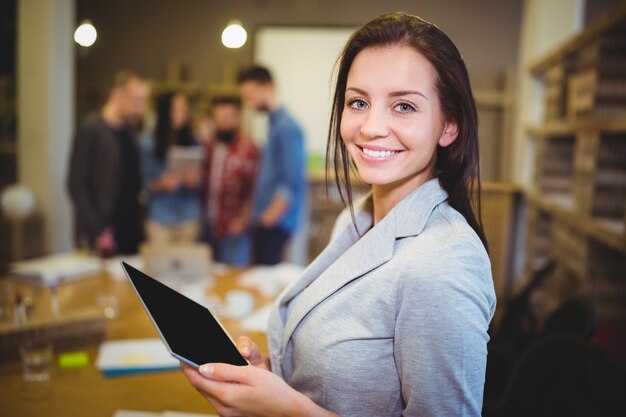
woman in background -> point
(173, 207)
(391, 318)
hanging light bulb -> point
(234, 35)
(86, 34)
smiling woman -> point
(391, 319)
(392, 125)
(421, 62)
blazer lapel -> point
(349, 257)
(355, 258)
(335, 249)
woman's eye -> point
(357, 103)
(405, 107)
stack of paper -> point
(50, 270)
(125, 357)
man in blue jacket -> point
(281, 188)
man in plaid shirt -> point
(229, 175)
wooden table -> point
(86, 392)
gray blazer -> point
(394, 322)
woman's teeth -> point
(378, 154)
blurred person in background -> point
(173, 206)
(204, 127)
(104, 178)
(229, 174)
(281, 191)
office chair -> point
(562, 375)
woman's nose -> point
(375, 124)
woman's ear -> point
(449, 134)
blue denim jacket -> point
(166, 207)
(283, 171)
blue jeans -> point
(234, 250)
(231, 250)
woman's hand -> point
(250, 351)
(191, 178)
(169, 181)
(246, 391)
(249, 390)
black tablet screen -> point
(189, 328)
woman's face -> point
(392, 120)
(179, 111)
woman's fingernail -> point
(206, 369)
(245, 350)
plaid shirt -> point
(238, 180)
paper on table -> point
(129, 413)
(270, 280)
(258, 320)
(52, 269)
(124, 357)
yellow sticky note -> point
(73, 360)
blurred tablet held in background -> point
(184, 157)
(189, 330)
(179, 264)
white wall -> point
(302, 60)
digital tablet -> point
(184, 157)
(191, 333)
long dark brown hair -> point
(457, 166)
(164, 133)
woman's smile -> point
(377, 154)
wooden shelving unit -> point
(577, 213)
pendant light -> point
(85, 34)
(234, 35)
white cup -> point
(109, 305)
